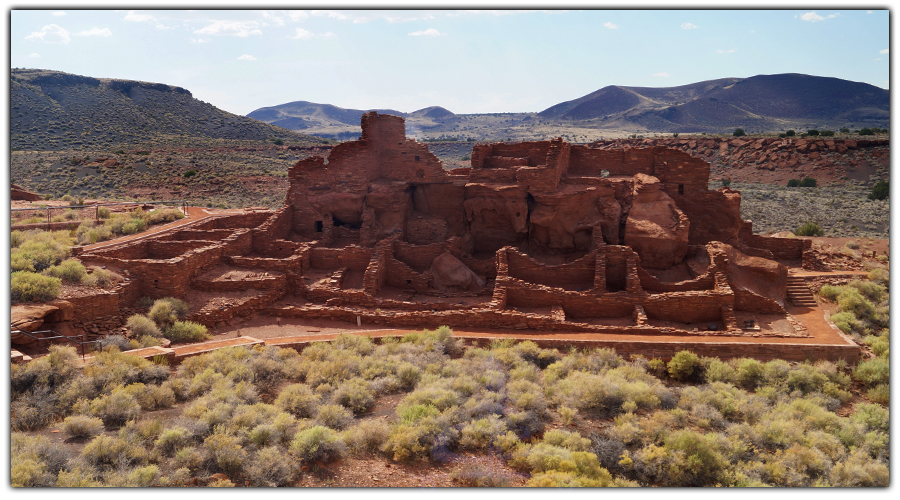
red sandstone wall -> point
(576, 273)
(781, 248)
(352, 257)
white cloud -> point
(50, 34)
(200, 40)
(95, 32)
(610, 25)
(688, 26)
(34, 55)
(241, 29)
(302, 34)
(662, 74)
(868, 12)
(164, 27)
(60, 13)
(729, 51)
(328, 34)
(246, 57)
(813, 17)
(297, 15)
(428, 32)
(138, 18)
(885, 51)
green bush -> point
(38, 250)
(103, 213)
(368, 436)
(142, 326)
(317, 444)
(738, 132)
(827, 133)
(793, 183)
(866, 131)
(334, 416)
(880, 190)
(113, 452)
(808, 182)
(812, 132)
(809, 229)
(354, 394)
(26, 286)
(225, 451)
(270, 468)
(685, 365)
(164, 215)
(790, 133)
(116, 407)
(873, 372)
(298, 400)
(70, 270)
(186, 331)
(880, 394)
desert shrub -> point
(831, 292)
(141, 325)
(481, 433)
(334, 416)
(26, 286)
(717, 370)
(167, 310)
(880, 394)
(133, 226)
(827, 133)
(38, 250)
(172, 439)
(42, 459)
(28, 472)
(808, 182)
(298, 399)
(35, 409)
(852, 301)
(809, 229)
(556, 466)
(118, 341)
(408, 374)
(249, 416)
(140, 477)
(101, 278)
(847, 322)
(88, 232)
(317, 444)
(738, 132)
(423, 431)
(78, 477)
(749, 372)
(859, 470)
(880, 190)
(354, 394)
(186, 331)
(82, 426)
(164, 215)
(367, 436)
(271, 467)
(473, 476)
(793, 183)
(225, 451)
(103, 213)
(116, 407)
(685, 365)
(110, 452)
(873, 372)
(871, 291)
(70, 270)
(873, 416)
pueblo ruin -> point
(544, 236)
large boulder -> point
(450, 274)
(656, 229)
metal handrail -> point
(58, 336)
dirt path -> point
(193, 215)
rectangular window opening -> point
(681, 189)
(318, 226)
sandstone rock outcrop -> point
(656, 229)
(451, 274)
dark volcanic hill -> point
(332, 121)
(763, 102)
(51, 110)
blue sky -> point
(467, 62)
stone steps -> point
(799, 292)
